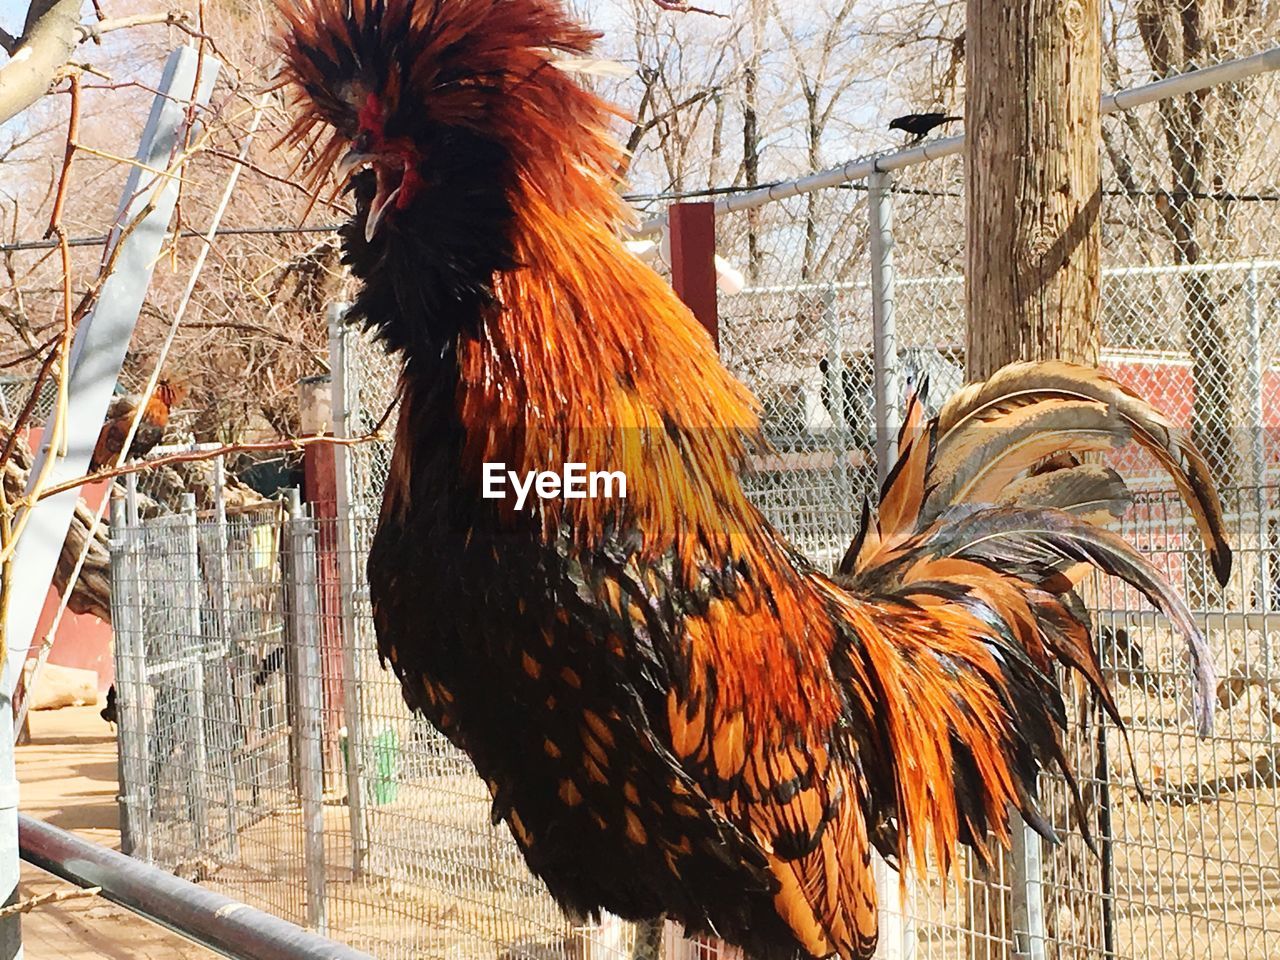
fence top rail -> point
(227, 926)
(947, 279)
(862, 167)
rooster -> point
(151, 427)
(675, 712)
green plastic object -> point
(382, 764)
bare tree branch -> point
(679, 6)
(172, 18)
(45, 47)
(52, 33)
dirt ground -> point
(68, 777)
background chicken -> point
(675, 712)
(155, 417)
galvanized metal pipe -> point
(339, 363)
(304, 651)
(884, 338)
(863, 167)
(227, 926)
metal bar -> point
(1026, 890)
(231, 928)
(305, 610)
(1257, 422)
(837, 372)
(97, 354)
(131, 499)
(888, 415)
(897, 939)
(863, 167)
(884, 341)
(1105, 831)
(127, 632)
(947, 279)
(341, 412)
(225, 662)
(197, 782)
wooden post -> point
(1032, 135)
(693, 264)
(1033, 185)
(320, 491)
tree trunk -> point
(1034, 189)
(1033, 179)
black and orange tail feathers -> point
(988, 520)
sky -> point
(12, 13)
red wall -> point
(81, 641)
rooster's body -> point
(151, 425)
(675, 712)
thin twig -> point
(33, 397)
(44, 899)
(73, 130)
(292, 444)
(332, 203)
(678, 6)
(129, 161)
(173, 18)
(27, 357)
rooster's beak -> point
(385, 195)
(382, 199)
(351, 161)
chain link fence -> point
(1187, 834)
(265, 751)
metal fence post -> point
(1257, 421)
(130, 685)
(838, 409)
(888, 403)
(341, 412)
(131, 499)
(897, 932)
(223, 661)
(198, 781)
(305, 616)
(1026, 891)
(884, 345)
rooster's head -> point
(423, 91)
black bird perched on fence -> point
(920, 124)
